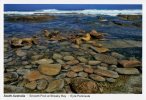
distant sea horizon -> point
(68, 7)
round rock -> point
(55, 85)
(49, 69)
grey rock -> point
(82, 59)
(111, 80)
(55, 85)
(127, 71)
(42, 84)
(97, 77)
(82, 74)
(93, 62)
(68, 58)
(57, 56)
(106, 59)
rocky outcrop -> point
(30, 18)
(20, 42)
(130, 17)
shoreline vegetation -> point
(86, 62)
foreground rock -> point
(55, 85)
(31, 85)
(49, 69)
(83, 85)
(106, 59)
(33, 75)
(130, 63)
(97, 77)
(42, 84)
(127, 71)
(106, 73)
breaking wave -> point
(84, 12)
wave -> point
(85, 12)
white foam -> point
(85, 12)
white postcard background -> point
(92, 96)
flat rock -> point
(36, 57)
(83, 85)
(60, 61)
(106, 73)
(127, 71)
(93, 62)
(72, 62)
(49, 69)
(77, 68)
(117, 55)
(97, 77)
(82, 74)
(99, 49)
(68, 58)
(31, 85)
(20, 53)
(33, 75)
(44, 61)
(88, 70)
(71, 74)
(57, 56)
(106, 59)
(55, 85)
(82, 59)
(42, 84)
(130, 63)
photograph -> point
(72, 49)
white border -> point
(93, 96)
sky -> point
(31, 7)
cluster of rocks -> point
(36, 68)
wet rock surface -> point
(57, 61)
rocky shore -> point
(78, 63)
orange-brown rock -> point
(87, 37)
(71, 74)
(72, 62)
(19, 42)
(130, 63)
(106, 73)
(83, 85)
(33, 75)
(77, 68)
(88, 70)
(49, 69)
(97, 77)
(96, 34)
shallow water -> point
(74, 23)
